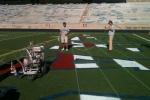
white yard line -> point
(142, 37)
(21, 37)
(105, 76)
(43, 87)
(77, 78)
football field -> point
(86, 72)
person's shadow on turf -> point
(69, 46)
(11, 95)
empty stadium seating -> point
(127, 15)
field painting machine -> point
(33, 62)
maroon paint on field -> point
(64, 62)
(89, 45)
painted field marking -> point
(124, 68)
(22, 37)
(75, 38)
(26, 47)
(129, 63)
(112, 96)
(85, 35)
(85, 65)
(133, 49)
(93, 97)
(54, 47)
(101, 72)
(133, 74)
(77, 77)
(101, 45)
(142, 37)
(92, 38)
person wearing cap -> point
(111, 33)
(64, 31)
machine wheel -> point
(31, 78)
(44, 70)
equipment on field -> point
(33, 62)
(13, 69)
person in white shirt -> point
(111, 34)
(64, 31)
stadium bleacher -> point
(95, 15)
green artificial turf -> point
(109, 78)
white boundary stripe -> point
(22, 37)
(141, 37)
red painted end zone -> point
(64, 62)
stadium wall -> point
(108, 1)
(57, 1)
(66, 1)
(138, 1)
(15, 1)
